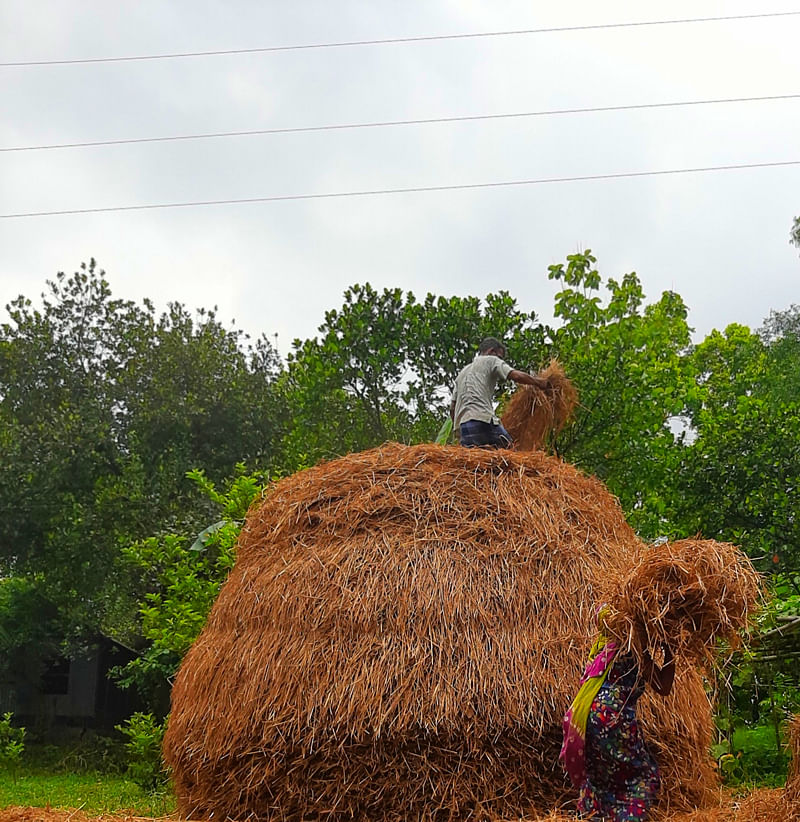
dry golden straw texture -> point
(761, 805)
(687, 594)
(399, 639)
(534, 414)
(793, 782)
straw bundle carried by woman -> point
(686, 594)
(534, 414)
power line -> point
(383, 191)
(419, 121)
(397, 40)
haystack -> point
(793, 780)
(399, 639)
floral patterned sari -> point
(573, 751)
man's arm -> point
(528, 379)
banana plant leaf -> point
(443, 437)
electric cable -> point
(415, 189)
(398, 40)
(389, 123)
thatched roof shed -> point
(400, 637)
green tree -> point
(344, 386)
(741, 472)
(28, 619)
(104, 407)
(382, 366)
(629, 363)
(781, 334)
(184, 572)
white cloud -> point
(720, 240)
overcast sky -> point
(719, 239)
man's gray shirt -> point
(475, 386)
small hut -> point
(400, 637)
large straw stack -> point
(793, 781)
(399, 639)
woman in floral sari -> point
(604, 751)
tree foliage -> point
(28, 619)
(183, 573)
(119, 424)
(104, 407)
(741, 473)
(382, 366)
(628, 360)
(12, 744)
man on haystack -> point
(472, 408)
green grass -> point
(91, 792)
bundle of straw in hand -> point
(686, 594)
(533, 414)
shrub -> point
(12, 744)
(144, 737)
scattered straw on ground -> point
(20, 814)
(763, 805)
(534, 414)
(400, 637)
(687, 594)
